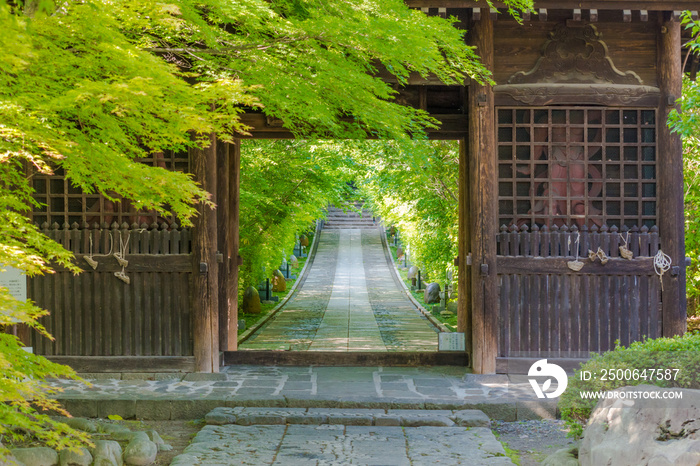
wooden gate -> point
(97, 314)
(547, 309)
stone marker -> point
(279, 283)
(432, 293)
(251, 301)
(413, 272)
(35, 456)
(294, 261)
(652, 431)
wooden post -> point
(234, 177)
(222, 214)
(464, 286)
(206, 277)
(483, 224)
(670, 176)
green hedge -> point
(681, 353)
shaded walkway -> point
(350, 301)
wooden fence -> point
(98, 314)
(548, 310)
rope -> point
(575, 265)
(662, 264)
(92, 262)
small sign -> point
(451, 341)
(15, 281)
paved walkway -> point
(350, 301)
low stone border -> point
(172, 409)
(431, 318)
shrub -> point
(682, 352)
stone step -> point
(349, 214)
(349, 227)
(349, 222)
(249, 416)
(349, 219)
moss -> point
(638, 364)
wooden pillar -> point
(464, 286)
(233, 262)
(205, 270)
(483, 205)
(670, 176)
(223, 243)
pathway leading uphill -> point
(351, 299)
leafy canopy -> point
(92, 86)
(687, 124)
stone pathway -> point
(190, 396)
(257, 436)
(350, 301)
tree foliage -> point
(285, 186)
(414, 185)
(687, 124)
(93, 86)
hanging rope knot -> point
(575, 265)
(662, 264)
(121, 275)
(89, 259)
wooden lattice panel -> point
(63, 203)
(577, 166)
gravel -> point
(533, 440)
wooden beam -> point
(526, 15)
(557, 266)
(482, 196)
(651, 5)
(644, 15)
(337, 358)
(543, 14)
(670, 176)
(222, 214)
(476, 14)
(204, 264)
(677, 15)
(126, 363)
(464, 284)
(138, 263)
(452, 127)
(493, 12)
(577, 14)
(233, 262)
(626, 16)
(593, 15)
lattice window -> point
(61, 202)
(577, 166)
